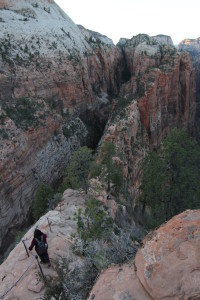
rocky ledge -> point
(59, 238)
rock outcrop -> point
(167, 266)
(158, 95)
(54, 86)
(164, 39)
(63, 226)
(192, 46)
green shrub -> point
(97, 225)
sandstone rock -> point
(118, 283)
(160, 95)
(166, 267)
(35, 286)
(48, 68)
(48, 65)
(168, 264)
(59, 241)
(192, 46)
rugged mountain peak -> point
(157, 94)
(146, 39)
(190, 42)
(190, 45)
(164, 39)
(95, 37)
(135, 40)
(26, 22)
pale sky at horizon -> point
(126, 18)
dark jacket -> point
(34, 242)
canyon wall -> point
(159, 95)
(192, 46)
(59, 84)
(54, 89)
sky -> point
(126, 18)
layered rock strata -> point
(192, 46)
(159, 95)
(54, 86)
(166, 266)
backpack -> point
(42, 247)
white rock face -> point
(40, 23)
(95, 36)
(144, 38)
(164, 39)
(59, 241)
(46, 59)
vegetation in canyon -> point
(100, 239)
(170, 181)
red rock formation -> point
(55, 84)
(166, 267)
(159, 96)
(49, 77)
(192, 46)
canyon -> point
(63, 86)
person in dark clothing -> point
(40, 243)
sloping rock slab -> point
(166, 267)
(63, 225)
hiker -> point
(40, 243)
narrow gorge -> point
(63, 86)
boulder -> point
(167, 266)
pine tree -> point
(107, 169)
(171, 175)
(43, 195)
(77, 171)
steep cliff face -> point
(192, 46)
(165, 267)
(54, 86)
(159, 95)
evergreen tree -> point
(110, 171)
(43, 195)
(77, 171)
(170, 181)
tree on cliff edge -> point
(77, 171)
(43, 195)
(171, 176)
(107, 169)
